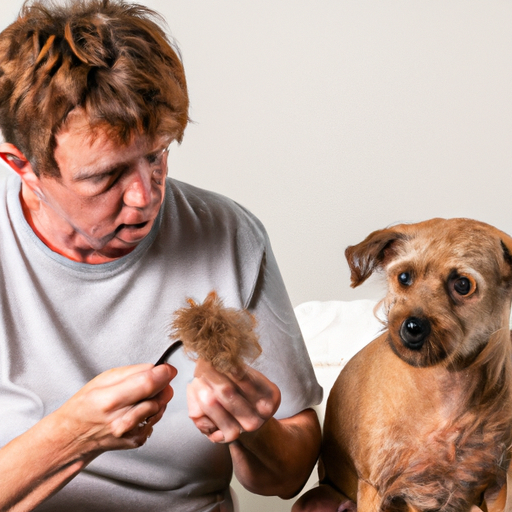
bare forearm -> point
(28, 499)
(278, 458)
(35, 465)
(114, 411)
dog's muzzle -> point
(414, 331)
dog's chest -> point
(438, 453)
(445, 469)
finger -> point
(132, 439)
(149, 422)
(210, 416)
(146, 412)
(244, 397)
(196, 414)
(137, 437)
(226, 390)
(253, 385)
(140, 386)
(259, 391)
(205, 425)
(145, 409)
(116, 375)
(130, 435)
(164, 396)
(195, 411)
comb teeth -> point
(225, 337)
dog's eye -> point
(462, 285)
(405, 278)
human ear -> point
(13, 157)
(17, 161)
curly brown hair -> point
(108, 57)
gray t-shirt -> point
(65, 322)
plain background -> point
(330, 119)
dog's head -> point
(449, 286)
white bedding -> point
(334, 331)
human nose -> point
(138, 192)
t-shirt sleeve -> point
(284, 360)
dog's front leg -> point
(368, 499)
(323, 499)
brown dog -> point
(421, 418)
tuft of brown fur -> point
(223, 336)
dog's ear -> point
(506, 245)
(371, 254)
(507, 252)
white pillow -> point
(334, 331)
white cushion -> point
(334, 331)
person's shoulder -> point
(211, 207)
(215, 231)
(5, 178)
(9, 185)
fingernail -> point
(162, 373)
(212, 438)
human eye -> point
(102, 178)
(156, 163)
(99, 183)
(156, 157)
(108, 178)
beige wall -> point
(332, 118)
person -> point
(98, 249)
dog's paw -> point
(347, 506)
(323, 499)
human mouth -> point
(131, 227)
(132, 233)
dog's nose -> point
(414, 332)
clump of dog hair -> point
(223, 336)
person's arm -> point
(270, 456)
(106, 414)
(277, 459)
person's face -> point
(107, 196)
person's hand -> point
(118, 408)
(223, 407)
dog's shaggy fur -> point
(223, 336)
(421, 418)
